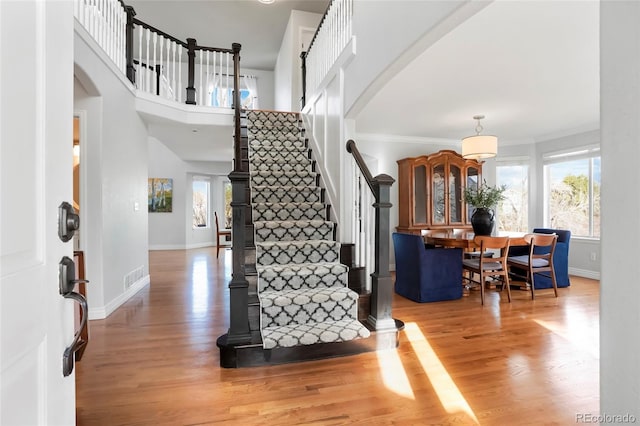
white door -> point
(36, 112)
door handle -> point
(67, 282)
(69, 352)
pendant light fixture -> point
(479, 146)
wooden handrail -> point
(381, 285)
(162, 33)
(353, 150)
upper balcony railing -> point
(158, 63)
(331, 37)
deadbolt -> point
(68, 221)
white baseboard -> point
(101, 312)
(167, 247)
(201, 245)
(181, 246)
(584, 273)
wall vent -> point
(133, 277)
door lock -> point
(68, 221)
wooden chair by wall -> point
(224, 233)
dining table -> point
(463, 238)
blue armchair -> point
(560, 258)
(426, 274)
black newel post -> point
(191, 53)
(236, 97)
(239, 331)
(131, 69)
(303, 101)
(381, 285)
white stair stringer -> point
(302, 286)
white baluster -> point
(200, 87)
(170, 91)
(160, 70)
(215, 73)
(208, 79)
(177, 88)
(100, 22)
(139, 77)
(229, 101)
(146, 64)
(112, 30)
(152, 67)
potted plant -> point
(484, 199)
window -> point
(572, 192)
(513, 211)
(221, 91)
(200, 202)
(228, 215)
(223, 97)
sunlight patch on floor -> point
(393, 373)
(450, 396)
(580, 334)
(200, 286)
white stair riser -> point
(283, 253)
(296, 277)
(289, 211)
(293, 231)
(307, 306)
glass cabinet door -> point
(438, 194)
(420, 194)
(473, 179)
(455, 194)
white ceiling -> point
(531, 67)
(258, 27)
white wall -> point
(391, 34)
(287, 72)
(266, 91)
(620, 135)
(115, 182)
(166, 230)
(174, 231)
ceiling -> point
(531, 67)
(258, 27)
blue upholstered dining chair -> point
(426, 274)
(560, 258)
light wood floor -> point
(155, 362)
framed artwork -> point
(160, 195)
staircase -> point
(302, 287)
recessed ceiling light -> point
(266, 1)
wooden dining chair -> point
(486, 266)
(224, 233)
(539, 260)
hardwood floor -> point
(155, 362)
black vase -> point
(482, 221)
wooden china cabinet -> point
(431, 191)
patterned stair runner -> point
(302, 287)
